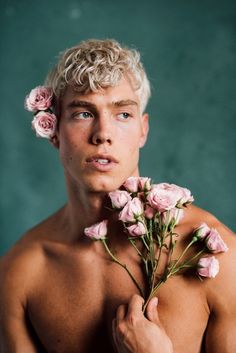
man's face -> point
(100, 136)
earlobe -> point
(55, 141)
(145, 129)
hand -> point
(134, 333)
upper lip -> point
(101, 156)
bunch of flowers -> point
(40, 102)
(150, 213)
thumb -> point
(151, 311)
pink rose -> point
(97, 231)
(215, 243)
(137, 229)
(149, 212)
(173, 216)
(144, 184)
(166, 196)
(119, 198)
(132, 210)
(208, 267)
(186, 196)
(202, 231)
(163, 197)
(40, 98)
(131, 184)
(44, 124)
(135, 184)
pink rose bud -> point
(215, 243)
(144, 184)
(149, 212)
(163, 197)
(202, 231)
(97, 231)
(132, 210)
(208, 267)
(131, 184)
(173, 216)
(119, 198)
(44, 124)
(137, 230)
(40, 98)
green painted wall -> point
(189, 50)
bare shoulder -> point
(19, 270)
(22, 264)
(22, 269)
(194, 216)
(19, 266)
(224, 282)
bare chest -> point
(72, 307)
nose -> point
(102, 132)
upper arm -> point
(15, 335)
(221, 333)
(221, 330)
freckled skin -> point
(60, 291)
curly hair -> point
(96, 64)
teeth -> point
(102, 161)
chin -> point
(103, 184)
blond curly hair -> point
(96, 64)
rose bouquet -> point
(150, 213)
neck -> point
(85, 208)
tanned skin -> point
(60, 292)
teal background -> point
(189, 51)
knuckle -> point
(132, 319)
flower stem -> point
(151, 295)
(145, 243)
(194, 257)
(123, 266)
(134, 245)
(183, 253)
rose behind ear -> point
(44, 124)
(39, 98)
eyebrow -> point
(82, 104)
(85, 104)
(123, 102)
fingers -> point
(121, 312)
(120, 316)
(135, 306)
(151, 311)
(135, 309)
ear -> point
(55, 141)
(144, 129)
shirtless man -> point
(59, 290)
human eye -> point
(124, 115)
(82, 115)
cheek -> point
(70, 147)
(71, 139)
(130, 143)
(130, 151)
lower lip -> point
(102, 167)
